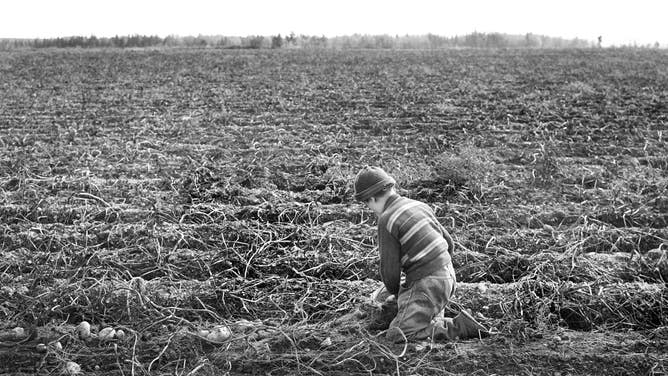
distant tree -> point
(201, 41)
(276, 41)
(473, 40)
(435, 41)
(256, 42)
(313, 41)
(355, 41)
(530, 41)
(496, 40)
(170, 40)
(291, 39)
(383, 41)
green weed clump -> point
(546, 170)
(469, 169)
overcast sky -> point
(618, 22)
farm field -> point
(165, 192)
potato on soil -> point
(203, 333)
(72, 368)
(106, 334)
(56, 345)
(83, 330)
(120, 334)
(18, 332)
(219, 334)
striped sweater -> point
(411, 239)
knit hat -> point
(371, 180)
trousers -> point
(420, 307)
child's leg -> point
(462, 326)
(418, 304)
(451, 269)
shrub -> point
(470, 168)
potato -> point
(219, 334)
(18, 332)
(106, 334)
(72, 368)
(120, 334)
(83, 330)
(203, 333)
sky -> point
(618, 22)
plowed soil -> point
(164, 192)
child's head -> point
(372, 182)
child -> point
(410, 239)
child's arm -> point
(390, 260)
(448, 238)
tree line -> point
(356, 41)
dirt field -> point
(163, 193)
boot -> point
(462, 326)
(469, 327)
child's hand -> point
(390, 305)
(382, 317)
